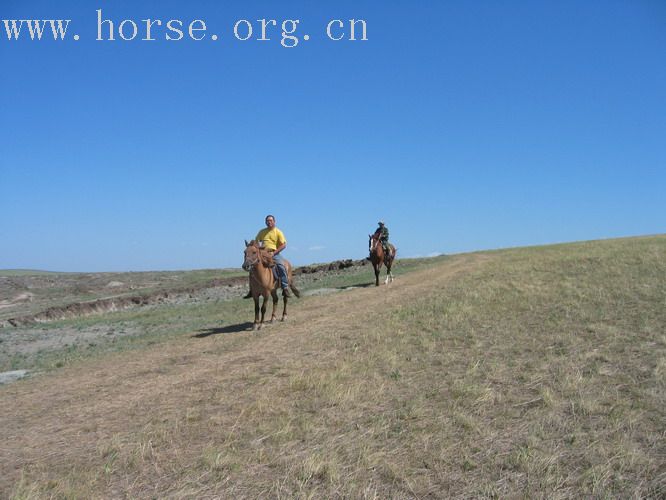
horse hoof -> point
(284, 318)
(256, 327)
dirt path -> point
(57, 421)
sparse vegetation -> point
(533, 373)
(147, 325)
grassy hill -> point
(536, 373)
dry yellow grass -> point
(489, 375)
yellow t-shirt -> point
(272, 238)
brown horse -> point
(259, 262)
(378, 257)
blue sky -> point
(465, 125)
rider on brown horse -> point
(273, 240)
(381, 252)
(382, 233)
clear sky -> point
(465, 125)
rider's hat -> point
(381, 223)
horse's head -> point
(373, 240)
(255, 254)
(252, 255)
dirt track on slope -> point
(56, 422)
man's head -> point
(270, 221)
(381, 223)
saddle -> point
(271, 264)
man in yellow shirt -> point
(273, 240)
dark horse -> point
(259, 262)
(379, 257)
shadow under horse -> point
(259, 262)
(379, 257)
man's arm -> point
(281, 243)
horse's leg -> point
(389, 276)
(376, 268)
(256, 313)
(274, 295)
(284, 309)
(263, 309)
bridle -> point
(249, 266)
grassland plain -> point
(529, 373)
(24, 292)
(184, 301)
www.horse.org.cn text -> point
(289, 33)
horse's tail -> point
(296, 291)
